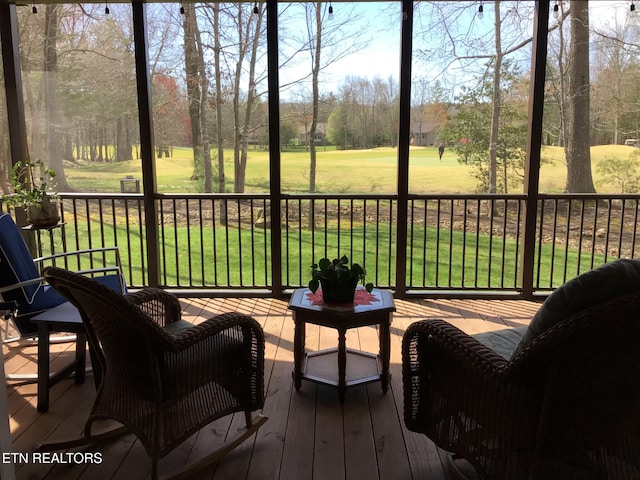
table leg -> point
(385, 352)
(342, 363)
(298, 351)
(81, 357)
(43, 367)
(7, 470)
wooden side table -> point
(63, 318)
(7, 469)
(375, 308)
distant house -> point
(320, 137)
(425, 133)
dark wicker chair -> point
(566, 406)
(164, 378)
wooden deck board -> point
(309, 434)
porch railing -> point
(456, 244)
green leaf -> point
(324, 264)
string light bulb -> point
(181, 9)
(632, 7)
(330, 11)
(556, 10)
(106, 9)
(34, 9)
(481, 11)
(255, 8)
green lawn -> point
(338, 171)
(241, 257)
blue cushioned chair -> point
(22, 283)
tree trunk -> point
(191, 62)
(99, 132)
(219, 135)
(127, 138)
(238, 125)
(495, 112)
(204, 131)
(119, 138)
(579, 178)
(36, 126)
(68, 147)
(54, 155)
(562, 133)
(314, 107)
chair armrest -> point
(461, 394)
(34, 281)
(76, 253)
(445, 340)
(99, 270)
(115, 269)
(87, 256)
(162, 307)
(216, 325)
(26, 283)
(447, 373)
(227, 350)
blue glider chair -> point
(21, 281)
(22, 285)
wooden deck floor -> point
(309, 434)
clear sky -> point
(380, 23)
(374, 25)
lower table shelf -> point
(322, 367)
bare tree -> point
(614, 102)
(236, 40)
(249, 29)
(556, 78)
(465, 48)
(326, 41)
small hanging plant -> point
(33, 190)
(337, 278)
(36, 190)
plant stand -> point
(51, 231)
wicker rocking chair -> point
(565, 405)
(163, 378)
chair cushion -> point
(47, 297)
(114, 281)
(178, 327)
(503, 342)
(586, 290)
(16, 262)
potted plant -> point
(337, 278)
(32, 186)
